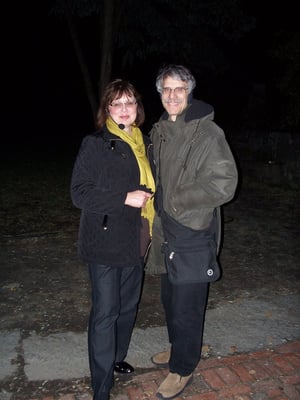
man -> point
(196, 174)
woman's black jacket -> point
(105, 171)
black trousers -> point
(185, 307)
(115, 296)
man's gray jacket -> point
(194, 165)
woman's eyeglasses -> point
(118, 105)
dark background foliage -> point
(244, 55)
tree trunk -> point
(106, 45)
(83, 66)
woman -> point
(112, 184)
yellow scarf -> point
(136, 142)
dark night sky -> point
(46, 102)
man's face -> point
(174, 96)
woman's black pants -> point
(115, 296)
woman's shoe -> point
(123, 368)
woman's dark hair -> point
(113, 91)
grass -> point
(35, 197)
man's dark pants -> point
(185, 307)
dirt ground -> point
(45, 286)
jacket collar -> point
(196, 109)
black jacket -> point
(104, 171)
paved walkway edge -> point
(266, 374)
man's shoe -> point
(161, 359)
(123, 368)
(173, 385)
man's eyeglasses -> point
(178, 90)
(118, 105)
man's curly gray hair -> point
(178, 72)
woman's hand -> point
(137, 199)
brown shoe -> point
(161, 359)
(173, 385)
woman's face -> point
(123, 111)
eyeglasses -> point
(178, 90)
(118, 105)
